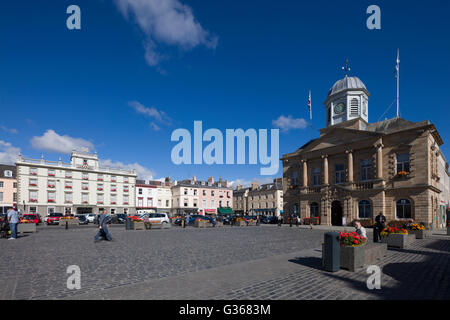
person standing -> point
(380, 224)
(297, 221)
(103, 227)
(13, 219)
(280, 220)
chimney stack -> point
(211, 179)
(254, 185)
(238, 187)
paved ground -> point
(263, 262)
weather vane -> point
(346, 68)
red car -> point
(30, 217)
(53, 218)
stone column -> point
(379, 160)
(305, 173)
(350, 165)
(325, 169)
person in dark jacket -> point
(103, 231)
(380, 224)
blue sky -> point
(130, 77)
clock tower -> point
(348, 99)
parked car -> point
(81, 219)
(269, 220)
(30, 217)
(90, 217)
(158, 218)
(53, 218)
(121, 217)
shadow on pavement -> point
(311, 262)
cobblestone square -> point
(265, 262)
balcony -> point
(50, 186)
(68, 187)
(85, 188)
(50, 200)
(368, 185)
(125, 190)
(32, 200)
(311, 190)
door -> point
(336, 213)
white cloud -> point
(168, 22)
(247, 183)
(158, 115)
(53, 142)
(288, 123)
(9, 130)
(142, 172)
(8, 153)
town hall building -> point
(357, 169)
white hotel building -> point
(80, 186)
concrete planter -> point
(352, 258)
(26, 227)
(138, 225)
(401, 241)
(240, 223)
(420, 234)
(202, 223)
(374, 253)
(71, 223)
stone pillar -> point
(325, 169)
(379, 160)
(305, 173)
(350, 165)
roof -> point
(348, 83)
(5, 167)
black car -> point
(81, 219)
(268, 220)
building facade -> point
(266, 200)
(154, 196)
(81, 186)
(356, 169)
(8, 187)
(200, 197)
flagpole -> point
(310, 113)
(398, 82)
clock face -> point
(339, 108)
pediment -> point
(339, 137)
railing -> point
(363, 185)
(69, 165)
(310, 190)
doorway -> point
(336, 213)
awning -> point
(225, 210)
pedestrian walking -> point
(13, 219)
(103, 227)
(280, 220)
(380, 224)
(297, 221)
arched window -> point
(314, 210)
(404, 209)
(364, 209)
(354, 107)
